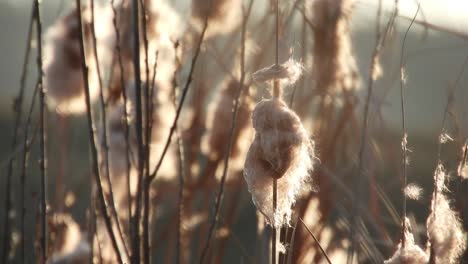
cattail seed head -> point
(281, 150)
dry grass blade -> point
(404, 141)
(316, 240)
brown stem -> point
(105, 144)
(43, 137)
(94, 153)
(227, 154)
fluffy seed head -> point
(411, 253)
(288, 73)
(445, 231)
(281, 150)
(413, 191)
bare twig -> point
(91, 132)
(43, 127)
(403, 131)
(23, 173)
(180, 208)
(148, 126)
(139, 132)
(227, 154)
(105, 144)
(125, 100)
(182, 100)
(316, 241)
(380, 40)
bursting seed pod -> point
(281, 150)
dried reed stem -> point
(94, 152)
(23, 173)
(180, 153)
(17, 108)
(139, 133)
(148, 126)
(43, 137)
(227, 154)
(356, 214)
(182, 100)
(125, 100)
(276, 94)
(105, 144)
(403, 132)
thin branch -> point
(23, 172)
(380, 40)
(182, 100)
(148, 125)
(180, 208)
(276, 94)
(105, 144)
(43, 128)
(91, 132)
(227, 154)
(316, 241)
(403, 131)
(125, 100)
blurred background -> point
(436, 53)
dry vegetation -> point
(211, 141)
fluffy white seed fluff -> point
(413, 191)
(282, 150)
(445, 231)
(288, 73)
(411, 253)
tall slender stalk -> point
(125, 100)
(139, 133)
(403, 132)
(43, 137)
(227, 154)
(105, 145)
(91, 135)
(147, 130)
(276, 94)
(356, 213)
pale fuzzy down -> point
(445, 231)
(281, 149)
(411, 253)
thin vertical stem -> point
(43, 135)
(125, 99)
(105, 144)
(276, 84)
(94, 153)
(356, 213)
(276, 94)
(148, 125)
(227, 154)
(404, 135)
(273, 221)
(139, 132)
